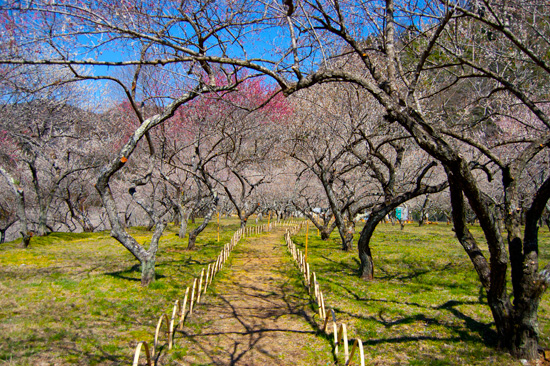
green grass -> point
(77, 298)
(425, 305)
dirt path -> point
(257, 313)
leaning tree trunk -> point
(195, 232)
(366, 268)
(244, 215)
(491, 275)
(44, 199)
(20, 207)
(4, 229)
(338, 217)
(145, 257)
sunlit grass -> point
(77, 298)
(425, 305)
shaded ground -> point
(257, 314)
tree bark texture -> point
(199, 229)
(26, 235)
(366, 268)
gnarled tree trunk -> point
(195, 232)
(184, 219)
(26, 235)
(366, 268)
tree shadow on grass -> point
(412, 273)
(62, 349)
(125, 274)
(484, 331)
(99, 356)
(339, 265)
(488, 334)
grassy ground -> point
(77, 299)
(425, 306)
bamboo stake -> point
(192, 297)
(343, 336)
(307, 234)
(159, 324)
(217, 266)
(326, 317)
(323, 306)
(206, 281)
(177, 306)
(183, 308)
(200, 287)
(138, 353)
(212, 269)
(357, 344)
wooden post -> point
(335, 335)
(163, 318)
(184, 306)
(326, 317)
(173, 326)
(344, 337)
(218, 227)
(200, 287)
(322, 306)
(315, 288)
(206, 281)
(192, 297)
(357, 344)
(341, 338)
(307, 233)
(138, 352)
(212, 273)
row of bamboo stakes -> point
(310, 281)
(183, 309)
